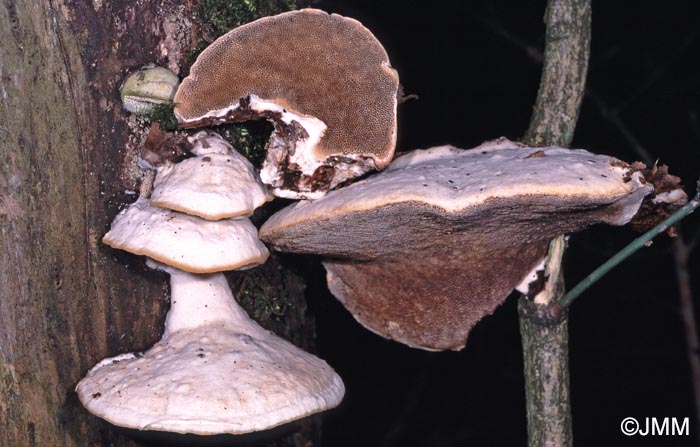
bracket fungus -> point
(420, 252)
(216, 183)
(215, 370)
(186, 242)
(323, 80)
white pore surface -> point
(454, 179)
(304, 155)
(186, 242)
(213, 186)
(305, 151)
(675, 196)
(222, 374)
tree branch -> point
(563, 79)
(681, 254)
(543, 325)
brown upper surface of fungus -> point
(306, 62)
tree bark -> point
(567, 47)
(543, 324)
(546, 369)
(68, 165)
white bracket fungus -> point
(214, 371)
(323, 80)
(217, 183)
(423, 250)
(186, 242)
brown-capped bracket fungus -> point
(215, 370)
(420, 252)
(323, 80)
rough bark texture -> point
(543, 327)
(68, 165)
(563, 79)
(545, 341)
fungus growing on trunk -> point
(187, 242)
(215, 370)
(216, 183)
(420, 252)
(323, 80)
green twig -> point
(629, 250)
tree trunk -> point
(68, 166)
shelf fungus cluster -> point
(215, 370)
(325, 83)
(323, 80)
(420, 252)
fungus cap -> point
(325, 82)
(214, 371)
(186, 242)
(422, 251)
(217, 183)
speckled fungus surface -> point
(216, 183)
(214, 371)
(323, 80)
(186, 242)
(423, 250)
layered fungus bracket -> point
(215, 370)
(420, 252)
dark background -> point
(475, 66)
